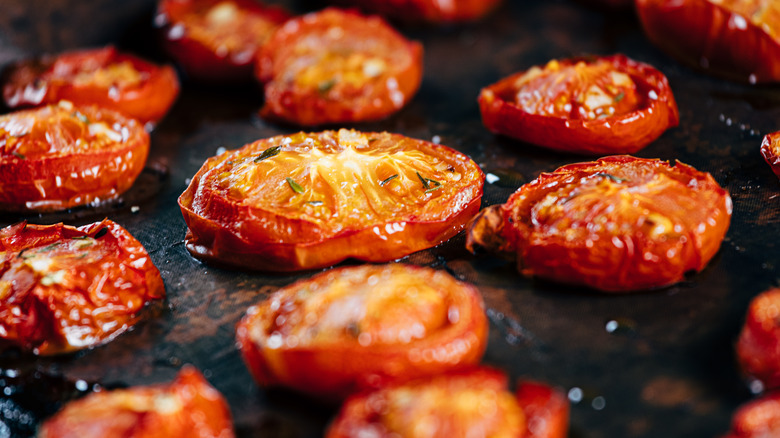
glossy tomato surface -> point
(187, 407)
(770, 149)
(757, 419)
(758, 348)
(738, 39)
(546, 410)
(337, 66)
(64, 288)
(217, 40)
(452, 405)
(360, 327)
(61, 156)
(306, 201)
(434, 11)
(617, 224)
(104, 77)
(591, 105)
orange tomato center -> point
(228, 29)
(764, 14)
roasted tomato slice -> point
(593, 105)
(64, 288)
(217, 40)
(187, 407)
(757, 419)
(738, 39)
(458, 404)
(337, 66)
(358, 327)
(306, 201)
(546, 410)
(61, 156)
(103, 77)
(758, 348)
(434, 11)
(617, 224)
(770, 149)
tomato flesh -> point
(758, 348)
(546, 410)
(770, 150)
(757, 419)
(432, 11)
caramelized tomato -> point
(359, 327)
(758, 348)
(434, 11)
(454, 405)
(770, 149)
(103, 77)
(584, 105)
(546, 410)
(64, 288)
(61, 156)
(617, 224)
(186, 407)
(337, 66)
(739, 39)
(217, 40)
(757, 419)
(306, 201)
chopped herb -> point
(612, 177)
(81, 256)
(294, 185)
(426, 182)
(18, 155)
(103, 231)
(620, 97)
(49, 247)
(353, 329)
(315, 202)
(268, 153)
(80, 237)
(388, 179)
(20, 255)
(82, 117)
(325, 86)
(433, 189)
(372, 139)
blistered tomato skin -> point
(459, 404)
(432, 11)
(337, 66)
(757, 419)
(217, 40)
(770, 150)
(187, 407)
(736, 39)
(103, 77)
(61, 156)
(311, 200)
(546, 410)
(63, 288)
(591, 105)
(354, 328)
(758, 348)
(618, 224)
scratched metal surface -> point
(668, 370)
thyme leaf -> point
(388, 179)
(315, 202)
(103, 231)
(325, 86)
(82, 117)
(614, 178)
(297, 188)
(268, 153)
(49, 247)
(18, 155)
(619, 97)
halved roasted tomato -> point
(617, 224)
(546, 410)
(64, 288)
(217, 40)
(738, 39)
(103, 77)
(770, 149)
(588, 105)
(61, 156)
(757, 419)
(306, 201)
(359, 327)
(187, 407)
(337, 66)
(758, 348)
(434, 11)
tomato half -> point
(770, 149)
(217, 40)
(64, 288)
(617, 224)
(103, 77)
(546, 410)
(60, 156)
(454, 405)
(337, 66)
(589, 105)
(758, 348)
(187, 407)
(434, 11)
(738, 39)
(358, 327)
(757, 419)
(306, 201)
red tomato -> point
(337, 66)
(758, 348)
(61, 156)
(364, 326)
(64, 288)
(307, 201)
(434, 11)
(103, 77)
(770, 149)
(217, 40)
(472, 403)
(600, 105)
(739, 39)
(186, 407)
(546, 410)
(617, 224)
(757, 419)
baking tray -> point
(666, 370)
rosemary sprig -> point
(426, 182)
(388, 179)
(297, 188)
(268, 153)
(49, 247)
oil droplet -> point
(598, 403)
(505, 178)
(620, 326)
(575, 395)
(756, 387)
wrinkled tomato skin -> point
(546, 410)
(619, 134)
(757, 419)
(198, 60)
(715, 38)
(351, 357)
(50, 79)
(770, 150)
(618, 224)
(64, 288)
(337, 102)
(268, 233)
(38, 175)
(187, 407)
(758, 348)
(431, 11)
